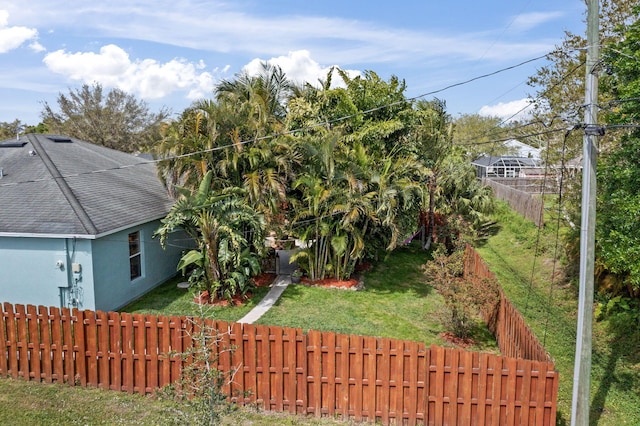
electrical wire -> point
(539, 232)
(541, 133)
(557, 239)
(536, 99)
(481, 77)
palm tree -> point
(268, 92)
(182, 150)
(219, 221)
(351, 203)
(208, 136)
(452, 188)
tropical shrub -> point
(463, 296)
(219, 222)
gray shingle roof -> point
(53, 185)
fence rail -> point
(284, 369)
(531, 185)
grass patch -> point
(167, 299)
(397, 302)
(521, 256)
(32, 403)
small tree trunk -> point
(432, 216)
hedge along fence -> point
(529, 206)
(514, 337)
(282, 369)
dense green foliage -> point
(618, 230)
(219, 222)
(345, 169)
(13, 129)
(559, 103)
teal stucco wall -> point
(113, 285)
(40, 271)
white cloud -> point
(13, 37)
(299, 68)
(223, 27)
(514, 110)
(147, 78)
(531, 20)
(37, 47)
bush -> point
(463, 296)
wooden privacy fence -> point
(527, 205)
(282, 369)
(531, 185)
(515, 338)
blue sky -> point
(170, 53)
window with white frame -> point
(135, 255)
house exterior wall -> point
(38, 271)
(113, 285)
(30, 271)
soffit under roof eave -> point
(41, 235)
(129, 226)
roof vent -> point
(60, 139)
(32, 153)
(12, 144)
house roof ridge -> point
(66, 190)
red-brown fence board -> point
(285, 369)
(515, 338)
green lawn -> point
(397, 302)
(38, 404)
(168, 299)
(551, 312)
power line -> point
(537, 98)
(557, 239)
(539, 231)
(480, 77)
(544, 132)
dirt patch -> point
(204, 299)
(352, 284)
(449, 337)
(264, 280)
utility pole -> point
(582, 368)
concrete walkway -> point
(279, 285)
